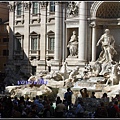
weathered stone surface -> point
(24, 90)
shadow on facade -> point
(18, 65)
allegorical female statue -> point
(73, 45)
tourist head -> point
(68, 89)
(60, 101)
(104, 95)
(93, 93)
(37, 97)
(58, 97)
(85, 89)
(116, 102)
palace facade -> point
(40, 32)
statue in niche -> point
(73, 45)
(72, 9)
(108, 51)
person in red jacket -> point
(117, 109)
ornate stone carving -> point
(43, 4)
(113, 74)
(11, 7)
(22, 21)
(72, 9)
(103, 9)
(27, 5)
(94, 7)
(39, 19)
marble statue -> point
(74, 73)
(108, 51)
(113, 75)
(54, 75)
(72, 9)
(73, 45)
(96, 68)
(64, 71)
(69, 83)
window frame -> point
(52, 6)
(34, 7)
(51, 37)
(33, 38)
(19, 9)
(37, 36)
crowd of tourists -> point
(44, 107)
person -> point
(84, 93)
(105, 98)
(68, 97)
(117, 114)
(39, 104)
(58, 100)
(101, 111)
(107, 41)
(111, 110)
(72, 44)
(60, 109)
(93, 95)
(79, 110)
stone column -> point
(43, 36)
(27, 30)
(82, 46)
(93, 43)
(43, 33)
(11, 26)
(64, 32)
(57, 32)
(56, 63)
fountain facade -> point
(99, 76)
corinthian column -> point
(93, 43)
(82, 50)
(57, 32)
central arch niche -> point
(109, 10)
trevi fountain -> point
(101, 76)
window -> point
(5, 52)
(33, 43)
(51, 43)
(35, 7)
(5, 39)
(19, 7)
(52, 6)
